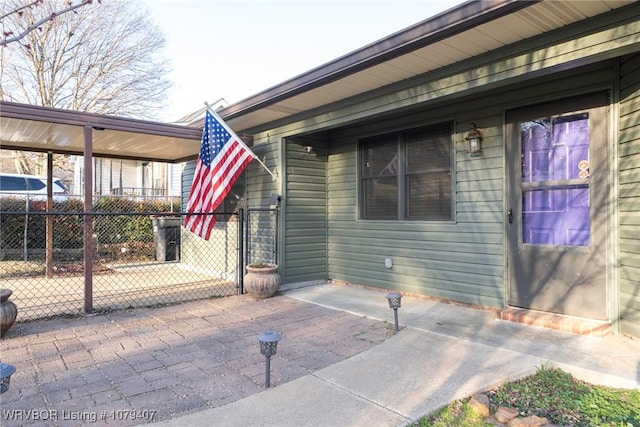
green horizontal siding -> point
(461, 260)
(259, 184)
(629, 197)
(259, 187)
(205, 255)
(305, 234)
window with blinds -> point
(407, 175)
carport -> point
(50, 130)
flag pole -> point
(240, 141)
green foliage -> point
(67, 231)
(603, 406)
(459, 413)
(119, 228)
(556, 395)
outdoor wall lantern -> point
(474, 139)
(268, 346)
(5, 376)
(394, 303)
(275, 200)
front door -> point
(557, 208)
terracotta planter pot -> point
(8, 311)
(262, 280)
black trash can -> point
(166, 238)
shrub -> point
(68, 229)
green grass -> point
(555, 395)
(458, 413)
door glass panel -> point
(555, 178)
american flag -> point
(223, 156)
(392, 166)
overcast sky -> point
(236, 48)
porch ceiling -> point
(34, 128)
(465, 31)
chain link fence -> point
(261, 236)
(136, 255)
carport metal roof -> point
(35, 128)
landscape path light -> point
(394, 303)
(268, 346)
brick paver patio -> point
(149, 364)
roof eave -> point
(441, 26)
(97, 121)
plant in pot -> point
(8, 311)
(262, 280)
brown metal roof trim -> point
(446, 24)
(98, 121)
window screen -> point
(407, 175)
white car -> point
(31, 186)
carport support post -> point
(240, 251)
(49, 218)
(88, 219)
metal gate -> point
(261, 237)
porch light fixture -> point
(275, 200)
(268, 346)
(394, 303)
(474, 139)
(247, 139)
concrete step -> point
(574, 325)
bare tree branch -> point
(19, 9)
(106, 60)
(9, 37)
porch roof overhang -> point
(461, 33)
(35, 128)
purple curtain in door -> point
(555, 150)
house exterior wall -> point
(629, 194)
(217, 256)
(110, 174)
(260, 186)
(174, 179)
(461, 259)
(305, 234)
(197, 253)
(464, 259)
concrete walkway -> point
(143, 365)
(338, 364)
(444, 352)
